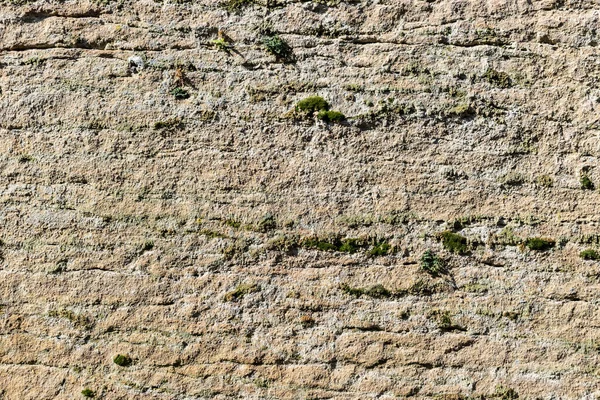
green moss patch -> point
(539, 244)
(454, 242)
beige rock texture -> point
(162, 198)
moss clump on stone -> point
(122, 360)
(380, 249)
(590, 254)
(539, 244)
(586, 182)
(88, 393)
(349, 246)
(319, 244)
(454, 242)
(331, 116)
(312, 105)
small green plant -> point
(539, 244)
(312, 105)
(331, 116)
(433, 264)
(380, 249)
(349, 246)
(88, 393)
(344, 245)
(122, 360)
(357, 292)
(221, 44)
(241, 290)
(454, 242)
(278, 47)
(180, 93)
(590, 254)
(319, 244)
(586, 182)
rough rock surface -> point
(162, 199)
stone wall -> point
(163, 198)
